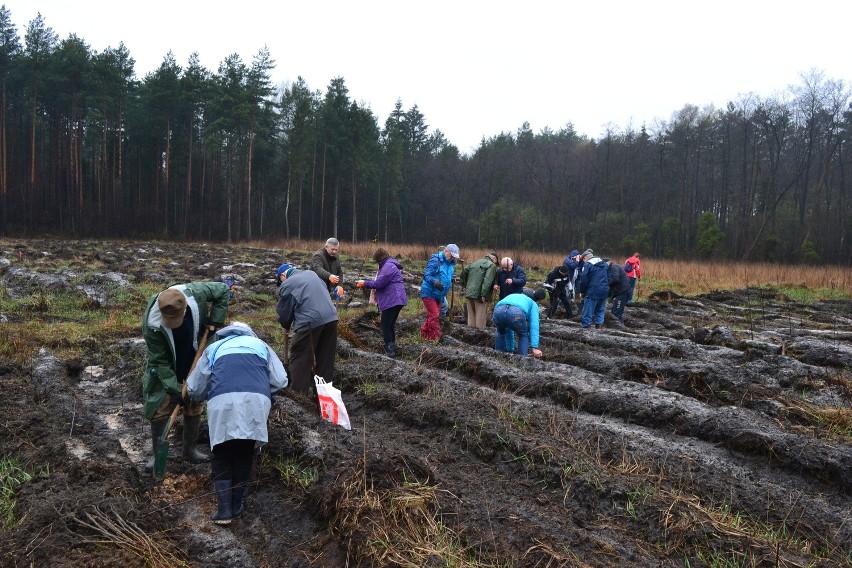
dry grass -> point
(112, 530)
(400, 526)
(683, 276)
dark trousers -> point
(388, 322)
(232, 460)
(557, 296)
(317, 346)
(618, 303)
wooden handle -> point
(183, 390)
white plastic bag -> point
(331, 404)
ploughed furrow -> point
(738, 429)
(587, 471)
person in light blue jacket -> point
(518, 314)
(236, 375)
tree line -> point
(87, 149)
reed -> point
(687, 277)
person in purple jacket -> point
(390, 296)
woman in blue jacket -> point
(236, 375)
(437, 279)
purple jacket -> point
(390, 291)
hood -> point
(391, 260)
(235, 328)
(574, 252)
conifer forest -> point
(90, 149)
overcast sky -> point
(478, 68)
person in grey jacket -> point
(236, 375)
(304, 307)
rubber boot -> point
(191, 425)
(157, 427)
(390, 350)
(224, 495)
(238, 494)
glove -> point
(438, 284)
(334, 279)
(359, 283)
(178, 399)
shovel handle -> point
(201, 345)
(286, 347)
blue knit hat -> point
(282, 269)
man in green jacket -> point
(173, 326)
(476, 280)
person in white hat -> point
(437, 280)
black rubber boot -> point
(191, 425)
(157, 427)
(238, 494)
(390, 350)
(224, 495)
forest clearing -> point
(715, 429)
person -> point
(173, 327)
(593, 283)
(619, 291)
(390, 296)
(476, 280)
(633, 268)
(573, 261)
(326, 264)
(236, 375)
(437, 279)
(305, 308)
(518, 314)
(445, 305)
(510, 279)
(557, 283)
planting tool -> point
(161, 456)
(287, 351)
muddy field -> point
(710, 431)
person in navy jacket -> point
(619, 290)
(510, 279)
(593, 283)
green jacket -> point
(159, 378)
(477, 279)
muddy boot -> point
(224, 495)
(190, 435)
(157, 427)
(390, 350)
(238, 494)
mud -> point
(709, 431)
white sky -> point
(477, 68)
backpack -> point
(628, 267)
